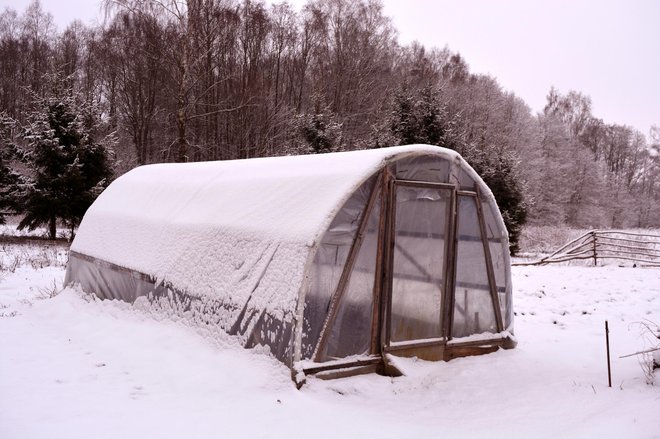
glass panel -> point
(351, 333)
(423, 168)
(499, 250)
(418, 266)
(473, 306)
(329, 263)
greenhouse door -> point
(420, 231)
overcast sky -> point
(607, 49)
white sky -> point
(608, 49)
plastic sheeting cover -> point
(252, 326)
(499, 248)
(424, 168)
(329, 263)
(473, 306)
(209, 228)
(351, 333)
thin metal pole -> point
(607, 342)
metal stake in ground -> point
(607, 343)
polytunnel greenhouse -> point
(336, 262)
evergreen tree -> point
(419, 116)
(498, 172)
(69, 168)
(319, 131)
(9, 180)
(404, 124)
(434, 125)
(8, 190)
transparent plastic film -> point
(329, 263)
(499, 250)
(420, 241)
(473, 304)
(351, 332)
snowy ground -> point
(73, 367)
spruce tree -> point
(498, 172)
(8, 190)
(69, 168)
(318, 131)
(419, 116)
(404, 124)
(9, 180)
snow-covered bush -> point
(649, 358)
(37, 256)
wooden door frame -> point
(448, 265)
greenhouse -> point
(336, 262)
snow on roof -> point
(243, 227)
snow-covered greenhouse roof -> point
(241, 239)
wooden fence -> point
(596, 245)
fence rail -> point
(642, 248)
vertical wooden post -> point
(379, 281)
(389, 260)
(593, 237)
(450, 268)
(607, 343)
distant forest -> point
(173, 81)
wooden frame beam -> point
(389, 263)
(342, 364)
(448, 263)
(379, 281)
(450, 268)
(489, 263)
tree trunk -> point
(182, 101)
(52, 226)
(181, 125)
